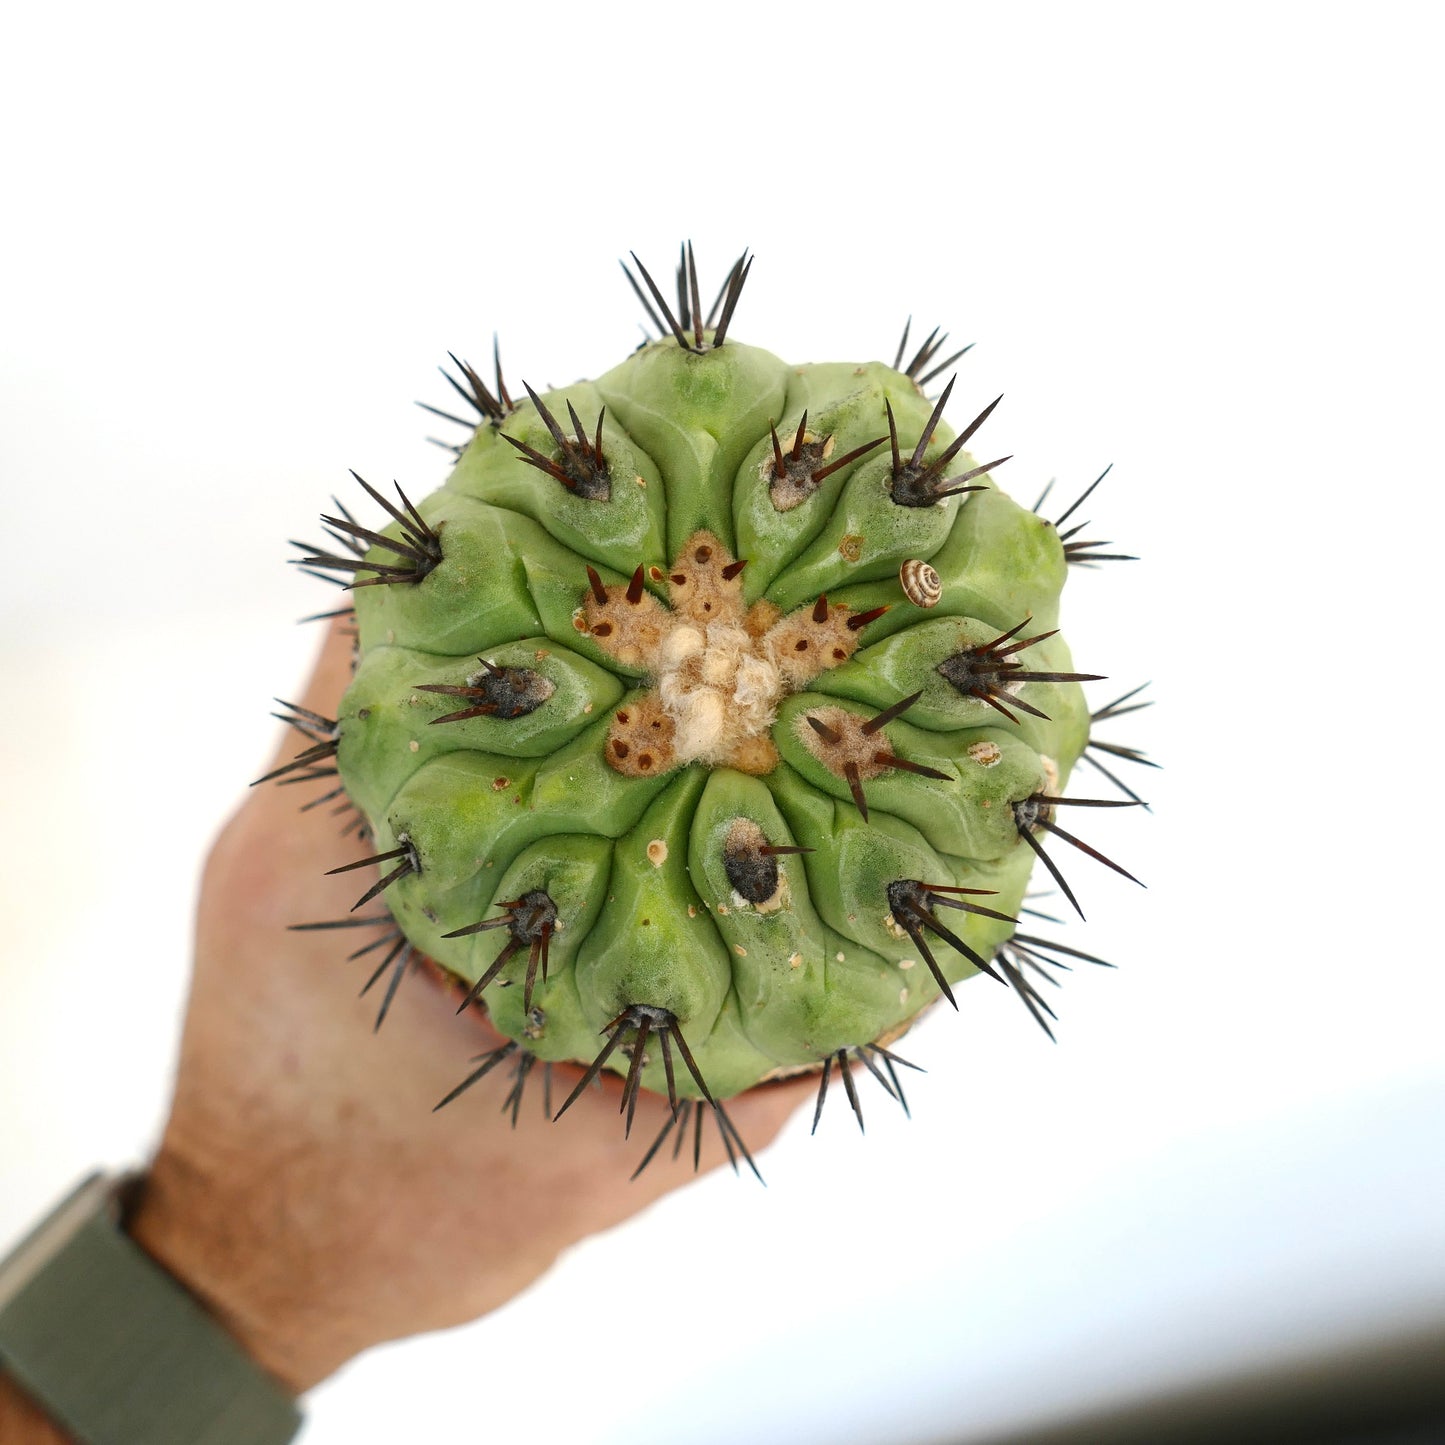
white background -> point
(1196, 241)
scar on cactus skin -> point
(657, 717)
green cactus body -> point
(674, 733)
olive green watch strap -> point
(115, 1350)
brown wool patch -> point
(853, 745)
(716, 670)
(804, 646)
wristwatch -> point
(115, 1350)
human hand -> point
(304, 1187)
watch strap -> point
(116, 1350)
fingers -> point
(764, 1110)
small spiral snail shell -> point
(921, 584)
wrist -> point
(221, 1252)
(112, 1349)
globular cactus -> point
(707, 723)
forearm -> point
(238, 1242)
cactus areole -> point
(709, 720)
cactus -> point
(709, 720)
